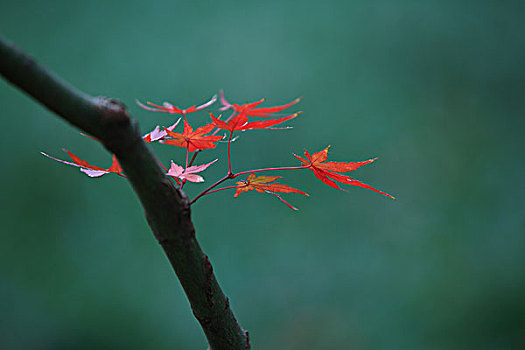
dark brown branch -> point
(166, 208)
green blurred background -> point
(435, 89)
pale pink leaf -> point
(199, 168)
(93, 173)
(158, 133)
(175, 170)
(192, 177)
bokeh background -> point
(435, 89)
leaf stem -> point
(194, 156)
(187, 156)
(229, 156)
(226, 177)
(158, 161)
(167, 170)
(222, 188)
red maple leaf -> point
(169, 108)
(250, 110)
(240, 123)
(193, 140)
(328, 171)
(88, 169)
(263, 184)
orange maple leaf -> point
(262, 184)
(88, 169)
(328, 171)
(193, 140)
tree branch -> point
(166, 208)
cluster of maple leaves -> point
(205, 137)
